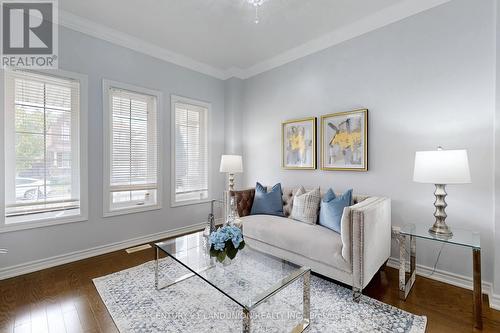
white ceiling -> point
(220, 37)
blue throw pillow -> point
(332, 208)
(269, 203)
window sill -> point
(17, 223)
(130, 210)
(189, 203)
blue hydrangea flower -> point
(219, 238)
(237, 239)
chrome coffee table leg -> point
(157, 257)
(307, 300)
(246, 321)
(306, 304)
(180, 279)
(305, 273)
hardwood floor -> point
(63, 299)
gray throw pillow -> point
(305, 205)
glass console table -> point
(460, 237)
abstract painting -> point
(344, 141)
(298, 144)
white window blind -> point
(42, 157)
(191, 152)
(133, 157)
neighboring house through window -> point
(43, 148)
(132, 168)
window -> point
(190, 167)
(132, 169)
(45, 159)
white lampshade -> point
(231, 164)
(442, 167)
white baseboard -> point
(457, 280)
(494, 301)
(36, 265)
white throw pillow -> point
(305, 205)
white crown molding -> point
(453, 279)
(369, 23)
(93, 29)
(37, 265)
(235, 72)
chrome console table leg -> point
(477, 289)
(406, 285)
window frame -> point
(186, 100)
(52, 218)
(107, 114)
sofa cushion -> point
(332, 209)
(244, 200)
(265, 202)
(289, 192)
(311, 241)
(305, 205)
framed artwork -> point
(298, 144)
(344, 141)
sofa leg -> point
(356, 294)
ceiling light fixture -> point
(256, 4)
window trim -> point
(83, 146)
(181, 99)
(107, 112)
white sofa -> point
(352, 257)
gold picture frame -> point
(298, 144)
(344, 141)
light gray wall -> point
(497, 161)
(233, 104)
(233, 111)
(99, 59)
(428, 80)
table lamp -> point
(441, 167)
(231, 164)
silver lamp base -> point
(440, 228)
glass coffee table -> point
(258, 276)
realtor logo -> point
(29, 33)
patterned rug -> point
(194, 306)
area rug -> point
(194, 306)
